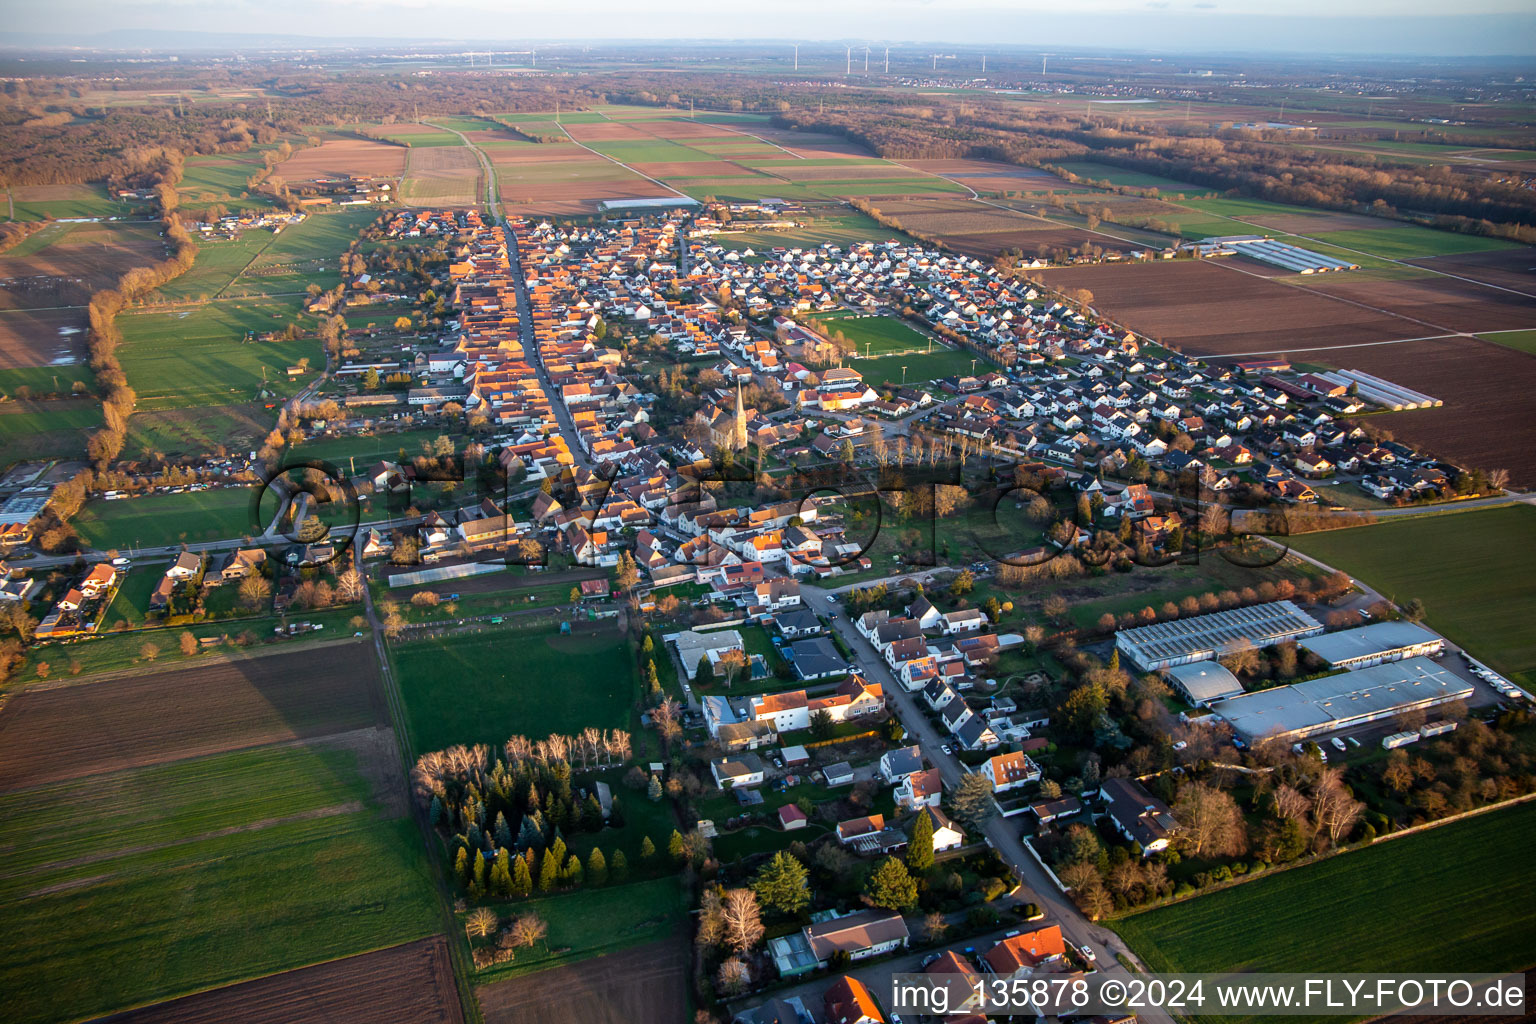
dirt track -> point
(409, 984)
(644, 985)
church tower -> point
(739, 435)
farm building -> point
(1205, 637)
(1202, 682)
(1277, 254)
(1341, 701)
(1376, 644)
(659, 204)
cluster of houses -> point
(233, 225)
(79, 610)
(1027, 954)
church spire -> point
(739, 437)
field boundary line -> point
(151, 668)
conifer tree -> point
(597, 867)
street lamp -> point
(903, 376)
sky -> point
(1385, 27)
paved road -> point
(524, 305)
(1001, 834)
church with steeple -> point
(729, 429)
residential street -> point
(1001, 834)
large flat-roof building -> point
(1204, 681)
(1206, 637)
(1376, 644)
(1341, 701)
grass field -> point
(591, 922)
(197, 874)
(485, 687)
(920, 366)
(1130, 179)
(45, 379)
(1524, 341)
(876, 335)
(54, 430)
(159, 520)
(1473, 571)
(1409, 241)
(202, 356)
(62, 202)
(1391, 907)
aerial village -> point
(871, 703)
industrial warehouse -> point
(1203, 682)
(1376, 644)
(1341, 701)
(1204, 637)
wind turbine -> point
(866, 60)
(848, 61)
(983, 63)
(797, 56)
(887, 60)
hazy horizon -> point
(1493, 28)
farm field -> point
(304, 254)
(197, 430)
(160, 520)
(874, 335)
(1472, 570)
(61, 202)
(842, 229)
(44, 380)
(31, 338)
(64, 264)
(1503, 268)
(1409, 241)
(411, 982)
(1521, 341)
(420, 136)
(464, 689)
(301, 863)
(343, 157)
(162, 716)
(47, 429)
(1401, 880)
(221, 181)
(643, 985)
(1478, 425)
(201, 356)
(1211, 310)
(441, 174)
(992, 176)
(1131, 179)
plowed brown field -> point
(409, 984)
(1485, 420)
(73, 730)
(644, 985)
(343, 157)
(1208, 310)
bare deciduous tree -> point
(742, 920)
